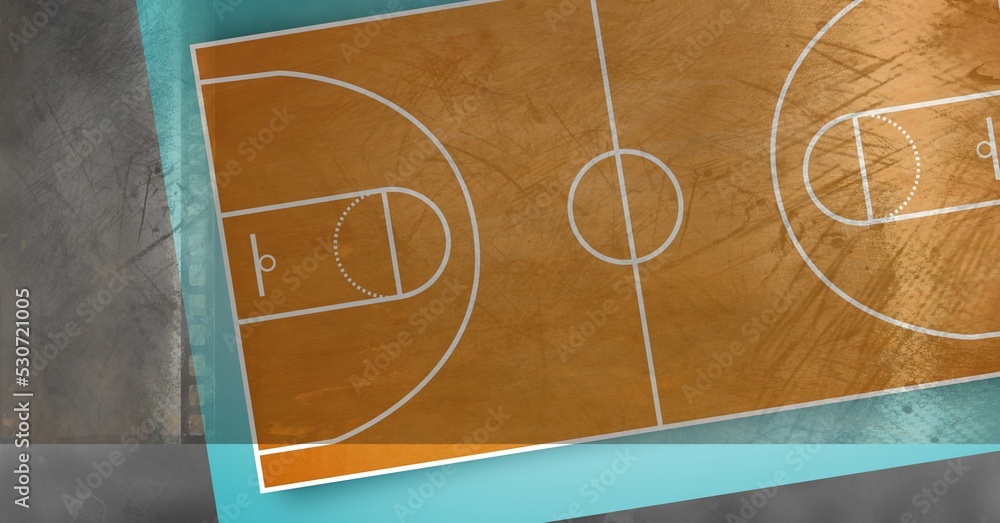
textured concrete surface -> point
(938, 492)
(114, 483)
(84, 226)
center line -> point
(627, 214)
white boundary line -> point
(627, 215)
(342, 23)
(873, 113)
(784, 216)
(472, 216)
(392, 243)
(260, 478)
(864, 170)
(639, 432)
(225, 260)
(472, 220)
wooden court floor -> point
(500, 225)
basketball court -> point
(493, 227)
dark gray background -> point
(883, 496)
(82, 203)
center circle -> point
(633, 259)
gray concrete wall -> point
(84, 226)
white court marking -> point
(342, 23)
(991, 148)
(209, 156)
(258, 264)
(916, 154)
(876, 113)
(357, 303)
(634, 259)
(474, 287)
(781, 207)
(257, 453)
(392, 243)
(864, 169)
(638, 432)
(628, 221)
(336, 249)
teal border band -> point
(527, 487)
(556, 484)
